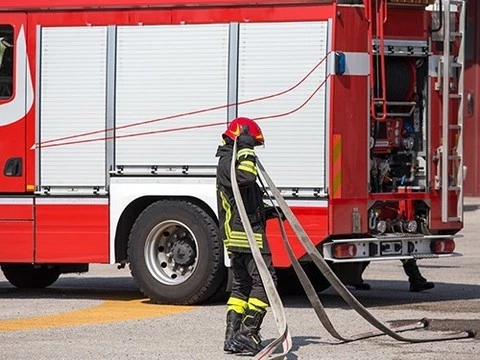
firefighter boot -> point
(417, 281)
(234, 320)
(247, 339)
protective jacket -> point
(231, 228)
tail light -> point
(344, 251)
(444, 246)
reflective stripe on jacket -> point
(231, 228)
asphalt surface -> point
(101, 315)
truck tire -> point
(175, 254)
(28, 276)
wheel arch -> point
(135, 208)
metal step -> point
(455, 127)
(454, 157)
(455, 96)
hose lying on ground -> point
(274, 298)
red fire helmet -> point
(235, 127)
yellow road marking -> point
(107, 312)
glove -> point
(273, 212)
(245, 139)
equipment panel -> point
(168, 79)
(274, 58)
(72, 105)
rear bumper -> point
(389, 247)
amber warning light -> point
(344, 251)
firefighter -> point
(248, 301)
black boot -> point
(417, 281)
(247, 339)
(234, 320)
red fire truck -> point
(111, 112)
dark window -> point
(6, 61)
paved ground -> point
(101, 315)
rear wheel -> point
(175, 254)
(30, 276)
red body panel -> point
(177, 16)
(314, 221)
(348, 117)
(31, 115)
(16, 212)
(16, 241)
(16, 232)
(406, 24)
(95, 4)
(12, 144)
(72, 233)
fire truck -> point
(111, 112)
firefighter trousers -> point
(246, 279)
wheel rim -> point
(171, 252)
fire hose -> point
(270, 289)
(318, 306)
(274, 298)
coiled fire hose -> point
(274, 299)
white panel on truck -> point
(273, 58)
(162, 72)
(72, 102)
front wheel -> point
(30, 276)
(175, 253)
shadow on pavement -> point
(90, 288)
(471, 207)
(383, 294)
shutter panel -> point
(168, 70)
(72, 102)
(273, 58)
